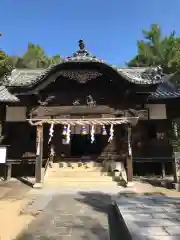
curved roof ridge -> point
(29, 77)
(25, 77)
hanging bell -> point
(84, 130)
(64, 133)
(104, 132)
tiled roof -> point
(23, 77)
(135, 75)
(165, 90)
(28, 77)
(138, 75)
(6, 96)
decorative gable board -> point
(157, 111)
(16, 114)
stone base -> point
(130, 184)
(177, 186)
(38, 185)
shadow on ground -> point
(83, 216)
(86, 215)
(156, 181)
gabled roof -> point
(30, 77)
(27, 77)
(143, 76)
(6, 96)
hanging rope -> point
(90, 121)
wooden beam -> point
(39, 175)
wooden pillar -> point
(129, 158)
(39, 175)
(177, 170)
(8, 172)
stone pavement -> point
(70, 216)
(151, 218)
(82, 214)
(13, 189)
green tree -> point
(155, 50)
(34, 57)
(54, 59)
(5, 64)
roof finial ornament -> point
(81, 45)
(153, 74)
(82, 52)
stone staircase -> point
(78, 177)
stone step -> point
(80, 184)
(76, 165)
(80, 169)
(75, 174)
(80, 178)
(76, 169)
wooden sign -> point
(3, 154)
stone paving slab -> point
(151, 218)
(36, 206)
(77, 217)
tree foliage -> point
(156, 49)
(5, 64)
(34, 57)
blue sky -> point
(110, 28)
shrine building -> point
(84, 109)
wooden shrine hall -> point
(84, 109)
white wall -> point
(15, 114)
(157, 111)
